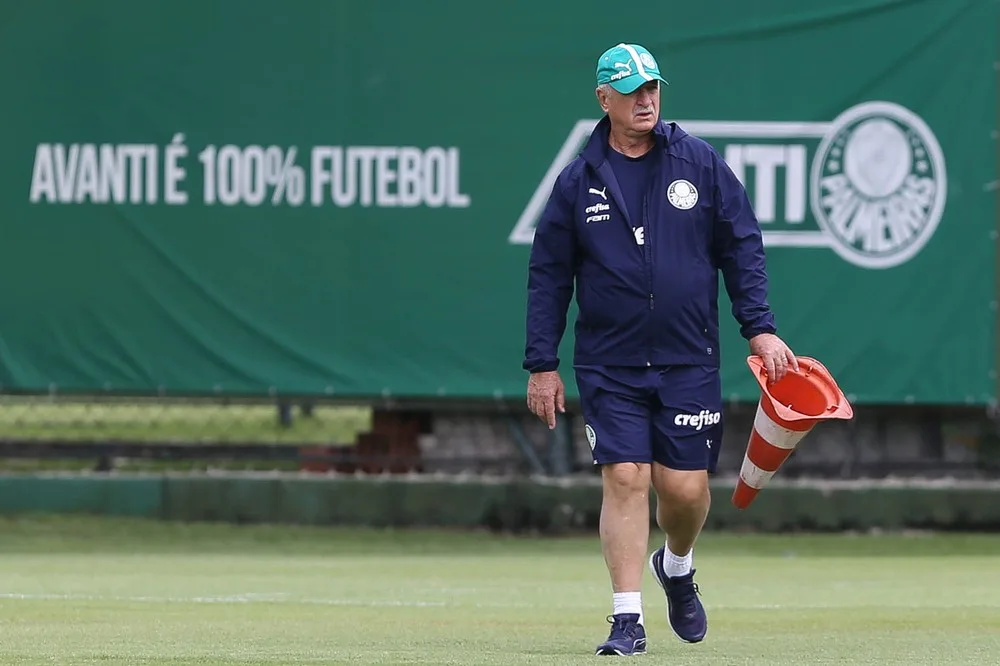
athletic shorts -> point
(670, 415)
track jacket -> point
(646, 289)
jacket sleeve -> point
(739, 253)
(551, 270)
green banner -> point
(338, 198)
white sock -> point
(628, 602)
(676, 565)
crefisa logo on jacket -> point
(869, 185)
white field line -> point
(357, 603)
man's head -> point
(628, 87)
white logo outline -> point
(600, 192)
(874, 111)
(523, 230)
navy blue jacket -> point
(654, 303)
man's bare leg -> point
(682, 504)
(624, 531)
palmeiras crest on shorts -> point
(591, 436)
(878, 184)
(682, 194)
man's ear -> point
(601, 100)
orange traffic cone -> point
(786, 412)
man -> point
(643, 220)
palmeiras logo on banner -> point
(874, 191)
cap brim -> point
(630, 84)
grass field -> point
(143, 421)
(151, 420)
(93, 591)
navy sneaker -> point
(684, 610)
(627, 636)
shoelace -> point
(685, 593)
(627, 629)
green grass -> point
(93, 591)
(37, 419)
(151, 420)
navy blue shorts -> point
(670, 415)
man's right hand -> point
(546, 395)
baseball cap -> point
(626, 67)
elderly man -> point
(644, 220)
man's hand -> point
(776, 355)
(546, 395)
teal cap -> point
(626, 67)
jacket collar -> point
(595, 151)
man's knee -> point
(624, 479)
(681, 487)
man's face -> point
(636, 112)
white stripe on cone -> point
(754, 476)
(766, 432)
(775, 434)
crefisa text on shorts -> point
(702, 419)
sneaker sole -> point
(615, 652)
(607, 650)
(656, 577)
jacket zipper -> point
(648, 256)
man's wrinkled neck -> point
(631, 145)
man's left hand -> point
(777, 357)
